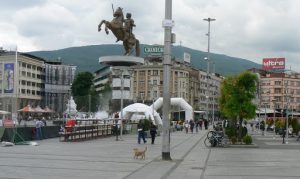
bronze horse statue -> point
(118, 29)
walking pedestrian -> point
(38, 127)
(141, 132)
(192, 124)
(153, 132)
(186, 126)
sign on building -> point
(273, 63)
(8, 78)
(154, 50)
(187, 57)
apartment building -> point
(29, 80)
(58, 82)
(21, 80)
(280, 91)
(189, 83)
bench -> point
(85, 132)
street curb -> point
(242, 146)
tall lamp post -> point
(208, 60)
(207, 88)
(274, 119)
(286, 112)
(70, 94)
(265, 121)
(168, 23)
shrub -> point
(233, 139)
(247, 140)
(230, 132)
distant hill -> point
(86, 58)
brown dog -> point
(138, 153)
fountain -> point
(71, 107)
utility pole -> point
(208, 61)
(167, 25)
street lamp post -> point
(286, 113)
(167, 24)
(274, 119)
(152, 89)
(208, 60)
(70, 94)
(265, 121)
(213, 103)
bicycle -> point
(214, 138)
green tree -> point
(237, 93)
(84, 93)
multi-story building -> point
(186, 82)
(280, 91)
(29, 80)
(21, 80)
(102, 77)
(58, 82)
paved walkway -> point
(107, 158)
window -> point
(154, 82)
(277, 82)
(142, 73)
(142, 95)
(277, 90)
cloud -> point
(251, 30)
(14, 39)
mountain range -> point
(86, 58)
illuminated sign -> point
(273, 63)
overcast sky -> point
(247, 29)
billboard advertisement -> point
(154, 50)
(273, 63)
(8, 79)
(187, 57)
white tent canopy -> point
(189, 113)
(139, 111)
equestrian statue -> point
(122, 29)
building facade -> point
(280, 91)
(29, 80)
(58, 82)
(146, 84)
(21, 80)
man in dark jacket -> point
(153, 132)
(141, 132)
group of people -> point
(141, 132)
(191, 125)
